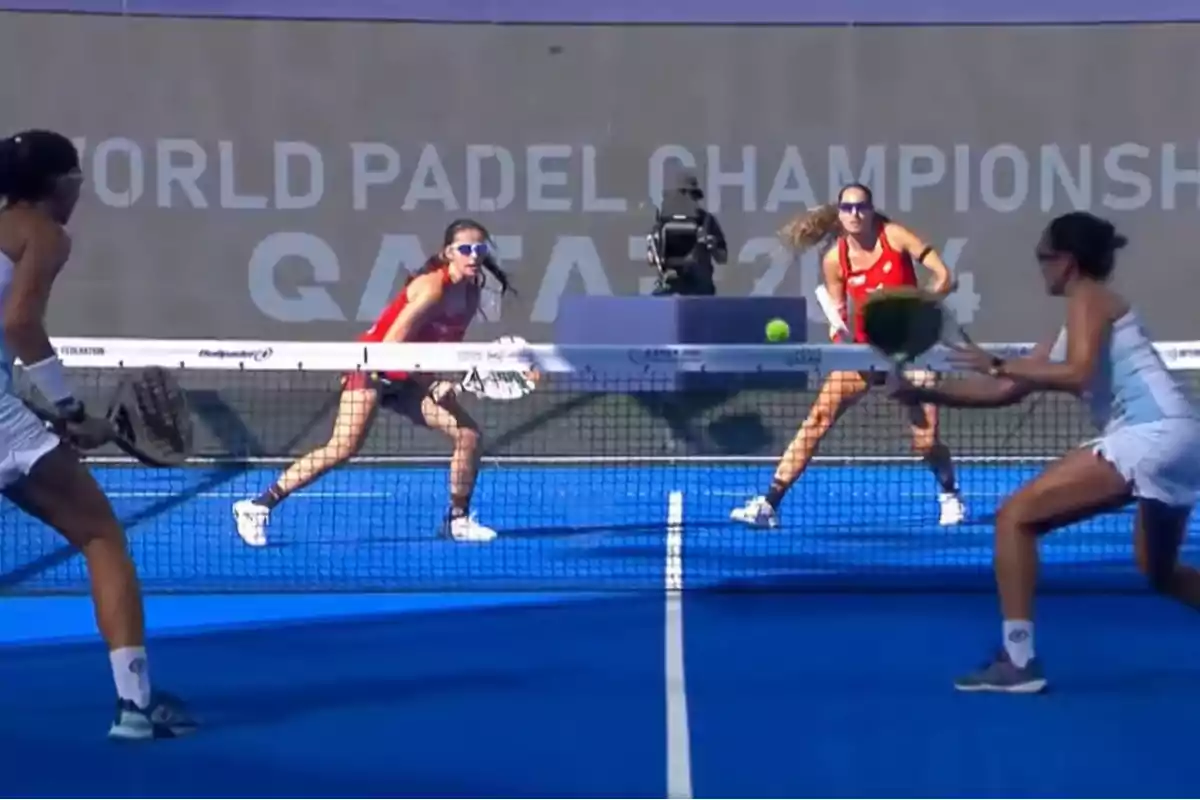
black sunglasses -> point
(855, 208)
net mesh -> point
(618, 472)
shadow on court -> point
(526, 701)
(851, 696)
(788, 695)
(212, 412)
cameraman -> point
(686, 241)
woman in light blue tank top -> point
(1148, 451)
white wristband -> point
(50, 379)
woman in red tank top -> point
(868, 252)
(435, 305)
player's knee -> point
(339, 451)
(467, 438)
(1014, 517)
(95, 532)
(818, 422)
(924, 446)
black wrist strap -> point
(70, 409)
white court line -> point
(337, 495)
(589, 461)
(679, 744)
(880, 494)
(239, 495)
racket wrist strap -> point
(71, 410)
(50, 379)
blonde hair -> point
(811, 228)
(819, 225)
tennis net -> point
(618, 472)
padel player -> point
(869, 252)
(39, 186)
(435, 305)
(1148, 451)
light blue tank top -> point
(1131, 384)
(6, 361)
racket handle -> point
(62, 427)
(961, 332)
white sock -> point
(1018, 641)
(131, 674)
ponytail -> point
(493, 268)
(811, 228)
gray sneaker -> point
(1002, 675)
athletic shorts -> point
(403, 397)
(1161, 460)
(23, 440)
(917, 377)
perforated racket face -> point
(151, 414)
(903, 323)
(503, 385)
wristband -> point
(997, 368)
(50, 379)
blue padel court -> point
(360, 654)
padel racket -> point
(904, 323)
(149, 418)
(501, 385)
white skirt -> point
(1161, 460)
(23, 440)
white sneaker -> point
(467, 529)
(251, 519)
(757, 513)
(953, 511)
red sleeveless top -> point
(893, 268)
(448, 321)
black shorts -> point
(876, 378)
(403, 396)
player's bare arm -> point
(922, 253)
